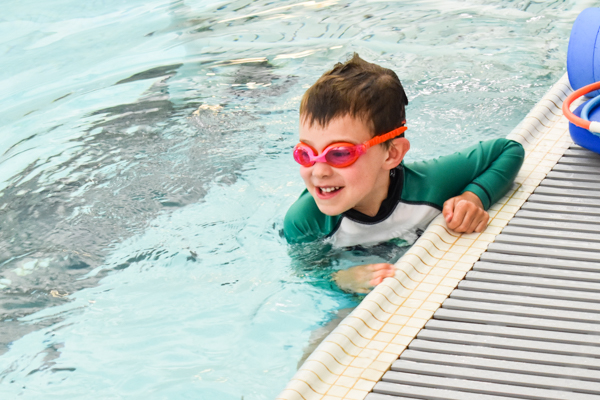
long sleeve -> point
(486, 169)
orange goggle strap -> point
(385, 137)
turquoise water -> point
(145, 170)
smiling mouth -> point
(329, 190)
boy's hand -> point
(465, 213)
(362, 278)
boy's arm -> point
(466, 213)
(468, 182)
(499, 162)
(318, 262)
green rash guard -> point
(415, 197)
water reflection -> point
(130, 162)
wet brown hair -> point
(360, 89)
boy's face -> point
(362, 185)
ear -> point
(396, 152)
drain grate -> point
(525, 322)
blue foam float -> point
(583, 54)
(583, 69)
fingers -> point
(448, 210)
(482, 225)
(380, 272)
(380, 266)
(461, 208)
(376, 281)
(467, 217)
(362, 278)
(477, 224)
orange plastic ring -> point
(591, 126)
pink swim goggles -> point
(340, 154)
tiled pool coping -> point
(349, 362)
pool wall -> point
(348, 363)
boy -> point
(358, 191)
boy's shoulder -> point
(304, 222)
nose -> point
(321, 170)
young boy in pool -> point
(358, 191)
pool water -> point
(145, 170)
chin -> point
(330, 210)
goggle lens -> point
(302, 156)
(339, 156)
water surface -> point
(145, 170)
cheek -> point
(357, 180)
(361, 170)
(373, 163)
(305, 174)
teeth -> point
(330, 189)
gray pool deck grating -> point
(525, 322)
(511, 313)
